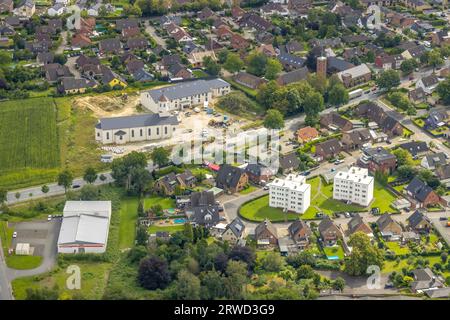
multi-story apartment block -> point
(355, 186)
(291, 194)
(185, 94)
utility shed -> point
(23, 249)
(85, 227)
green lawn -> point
(383, 198)
(258, 210)
(248, 190)
(6, 236)
(397, 249)
(170, 229)
(23, 262)
(128, 217)
(199, 73)
(93, 281)
(335, 251)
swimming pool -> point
(179, 221)
(333, 258)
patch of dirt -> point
(107, 106)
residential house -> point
(428, 83)
(389, 229)
(293, 46)
(388, 62)
(415, 52)
(183, 95)
(415, 148)
(134, 65)
(357, 224)
(440, 38)
(355, 39)
(436, 119)
(80, 41)
(266, 234)
(205, 14)
(420, 27)
(290, 61)
(196, 58)
(126, 24)
(329, 232)
(6, 29)
(328, 149)
(417, 95)
(355, 76)
(57, 9)
(231, 179)
(26, 8)
(300, 232)
(425, 279)
(334, 121)
(178, 33)
(258, 173)
(416, 5)
(443, 173)
(267, 49)
(143, 127)
(252, 20)
(110, 46)
(248, 80)
(423, 195)
(137, 43)
(44, 58)
(355, 139)
(142, 75)
(234, 232)
(293, 76)
(289, 163)
(237, 12)
(70, 85)
(6, 6)
(307, 134)
(238, 42)
(375, 113)
(272, 8)
(434, 160)
(419, 222)
(55, 71)
(178, 71)
(111, 78)
(378, 159)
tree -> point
(89, 192)
(140, 208)
(338, 95)
(115, 62)
(102, 177)
(305, 272)
(408, 66)
(272, 262)
(363, 255)
(141, 236)
(339, 284)
(443, 90)
(256, 63)
(313, 105)
(212, 285)
(403, 157)
(406, 172)
(244, 254)
(211, 66)
(17, 195)
(388, 79)
(435, 58)
(42, 293)
(160, 156)
(90, 175)
(45, 189)
(233, 63)
(236, 279)
(5, 58)
(60, 58)
(65, 180)
(153, 273)
(187, 286)
(273, 119)
(3, 195)
(222, 56)
(273, 68)
(127, 168)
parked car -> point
(14, 234)
(49, 217)
(76, 186)
(443, 218)
(347, 215)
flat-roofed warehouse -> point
(85, 227)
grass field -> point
(258, 210)
(248, 190)
(128, 217)
(397, 249)
(335, 251)
(23, 262)
(29, 146)
(93, 281)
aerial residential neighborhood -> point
(224, 150)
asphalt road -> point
(5, 287)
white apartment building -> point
(354, 185)
(291, 193)
(185, 94)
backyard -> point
(333, 252)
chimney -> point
(321, 68)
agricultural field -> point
(29, 145)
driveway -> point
(152, 32)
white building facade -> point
(354, 186)
(120, 130)
(183, 95)
(290, 194)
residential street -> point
(152, 32)
(5, 287)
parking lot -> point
(41, 235)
